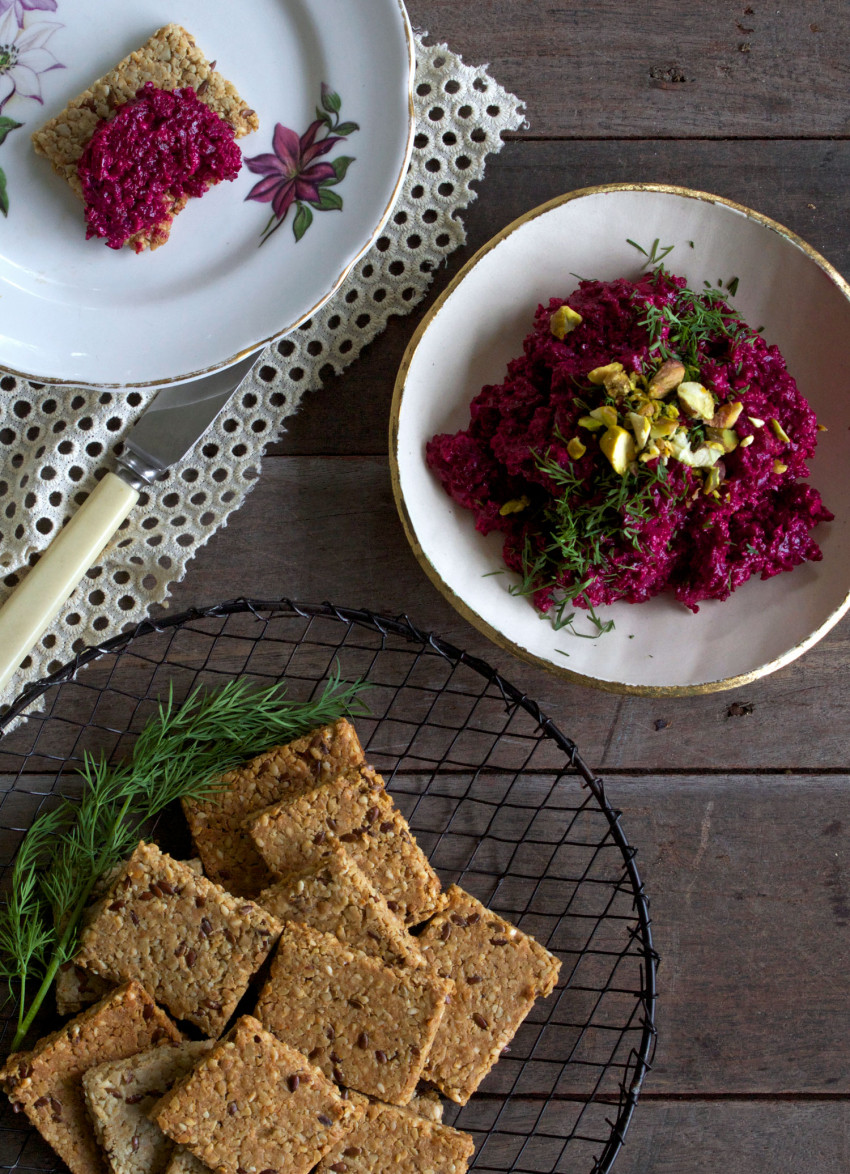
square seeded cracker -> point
(171, 60)
(333, 895)
(221, 841)
(120, 1093)
(392, 1138)
(357, 811)
(498, 972)
(367, 1026)
(75, 987)
(256, 1104)
(186, 940)
(48, 1081)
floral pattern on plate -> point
(294, 174)
(23, 58)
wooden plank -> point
(614, 70)
(674, 1137)
(326, 528)
(350, 414)
(749, 899)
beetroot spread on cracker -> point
(155, 150)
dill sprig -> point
(689, 324)
(180, 753)
(577, 526)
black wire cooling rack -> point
(498, 797)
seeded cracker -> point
(190, 943)
(390, 1138)
(367, 1026)
(356, 810)
(222, 842)
(47, 1082)
(255, 1104)
(76, 987)
(120, 1093)
(333, 895)
(171, 60)
(498, 972)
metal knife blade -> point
(174, 422)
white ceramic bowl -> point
(479, 323)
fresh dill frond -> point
(689, 323)
(568, 539)
(655, 255)
(181, 753)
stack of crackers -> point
(330, 1029)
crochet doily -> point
(55, 444)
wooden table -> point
(741, 821)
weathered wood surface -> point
(609, 69)
(675, 1137)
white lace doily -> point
(56, 444)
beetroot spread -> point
(646, 440)
(162, 146)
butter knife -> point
(166, 431)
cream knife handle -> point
(38, 599)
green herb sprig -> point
(180, 753)
(576, 530)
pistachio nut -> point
(619, 447)
(668, 376)
(564, 321)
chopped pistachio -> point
(756, 422)
(702, 458)
(778, 467)
(606, 414)
(576, 449)
(640, 427)
(780, 432)
(822, 428)
(669, 375)
(727, 415)
(590, 423)
(619, 447)
(696, 400)
(663, 427)
(564, 321)
(515, 506)
(727, 438)
(599, 374)
(712, 479)
(746, 442)
(618, 385)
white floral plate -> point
(479, 323)
(75, 311)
